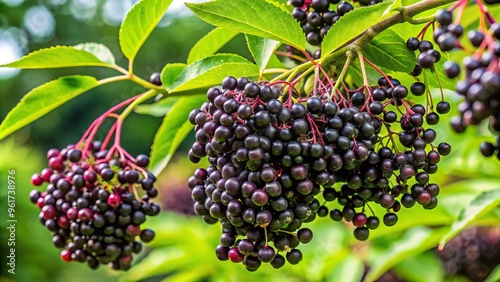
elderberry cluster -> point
(270, 160)
(90, 207)
(316, 18)
(481, 85)
(370, 180)
(428, 55)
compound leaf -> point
(388, 50)
(480, 205)
(44, 99)
(87, 54)
(211, 70)
(139, 23)
(170, 73)
(210, 43)
(256, 17)
(262, 49)
(174, 128)
(352, 25)
(99, 50)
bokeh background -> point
(184, 247)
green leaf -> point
(414, 242)
(44, 99)
(174, 128)
(350, 269)
(411, 269)
(99, 50)
(436, 77)
(479, 206)
(494, 275)
(170, 73)
(388, 50)
(352, 25)
(210, 43)
(262, 49)
(59, 57)
(211, 70)
(256, 17)
(139, 23)
(157, 109)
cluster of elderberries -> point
(474, 253)
(270, 160)
(387, 176)
(90, 204)
(316, 18)
(481, 85)
(428, 55)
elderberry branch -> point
(141, 99)
(349, 55)
(405, 14)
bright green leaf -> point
(480, 205)
(210, 43)
(256, 17)
(44, 99)
(170, 73)
(99, 50)
(262, 49)
(414, 242)
(158, 109)
(350, 269)
(352, 25)
(388, 50)
(494, 275)
(211, 70)
(174, 128)
(411, 269)
(437, 79)
(139, 23)
(59, 57)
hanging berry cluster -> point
(480, 85)
(91, 203)
(316, 16)
(271, 162)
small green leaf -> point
(479, 206)
(58, 57)
(170, 73)
(352, 25)
(436, 78)
(158, 109)
(210, 43)
(388, 50)
(262, 49)
(174, 128)
(411, 269)
(415, 241)
(99, 50)
(139, 23)
(211, 70)
(350, 269)
(44, 99)
(256, 17)
(494, 275)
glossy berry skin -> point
(361, 233)
(91, 220)
(114, 200)
(235, 256)
(294, 256)
(155, 79)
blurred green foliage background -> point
(184, 247)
